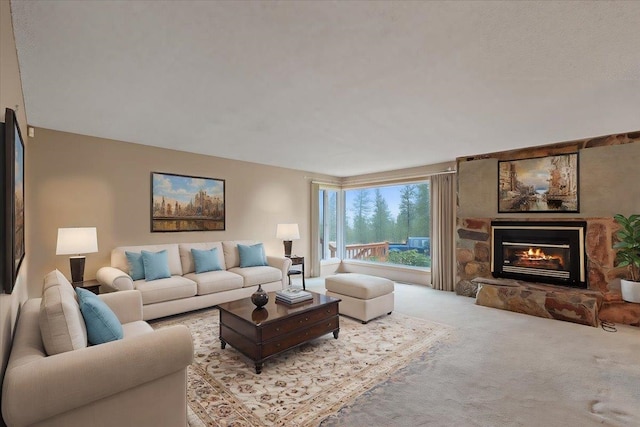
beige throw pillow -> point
(61, 323)
(56, 278)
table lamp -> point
(287, 232)
(76, 241)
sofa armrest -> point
(281, 263)
(76, 378)
(127, 305)
(114, 279)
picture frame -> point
(12, 216)
(187, 203)
(539, 184)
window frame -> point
(317, 262)
(372, 186)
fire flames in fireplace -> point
(537, 258)
(520, 257)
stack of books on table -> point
(293, 296)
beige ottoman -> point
(363, 297)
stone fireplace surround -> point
(605, 162)
(473, 255)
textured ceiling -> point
(340, 88)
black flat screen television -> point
(12, 203)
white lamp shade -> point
(77, 240)
(287, 232)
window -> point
(389, 224)
(328, 223)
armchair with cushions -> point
(55, 378)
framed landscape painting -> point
(186, 203)
(542, 184)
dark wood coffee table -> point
(262, 333)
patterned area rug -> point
(304, 385)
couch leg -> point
(364, 322)
(389, 312)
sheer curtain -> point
(443, 218)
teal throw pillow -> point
(101, 322)
(206, 260)
(252, 256)
(156, 265)
(136, 267)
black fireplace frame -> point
(573, 232)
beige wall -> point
(79, 180)
(11, 97)
(609, 178)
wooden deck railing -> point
(366, 251)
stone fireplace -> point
(607, 166)
(474, 256)
(540, 251)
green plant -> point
(410, 257)
(628, 244)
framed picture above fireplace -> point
(541, 184)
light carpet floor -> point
(504, 369)
(304, 385)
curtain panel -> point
(443, 219)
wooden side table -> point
(90, 285)
(297, 260)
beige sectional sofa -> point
(187, 290)
(54, 378)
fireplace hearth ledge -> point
(580, 306)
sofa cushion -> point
(206, 260)
(119, 259)
(174, 287)
(101, 322)
(252, 256)
(257, 275)
(156, 265)
(136, 266)
(186, 257)
(231, 255)
(61, 324)
(216, 281)
(56, 278)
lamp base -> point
(77, 268)
(287, 248)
